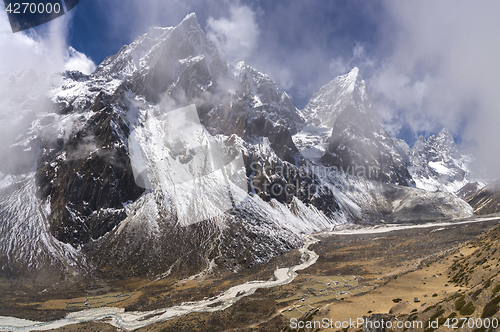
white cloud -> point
(237, 35)
(283, 77)
(444, 71)
(75, 60)
(21, 51)
(338, 67)
(47, 52)
(360, 58)
(359, 51)
(27, 62)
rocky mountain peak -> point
(437, 164)
(352, 82)
(170, 49)
(420, 140)
(190, 20)
(344, 93)
(444, 142)
(266, 99)
(358, 139)
(445, 134)
(440, 147)
(354, 73)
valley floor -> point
(401, 271)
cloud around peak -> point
(236, 35)
(74, 60)
(44, 50)
(442, 71)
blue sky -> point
(427, 64)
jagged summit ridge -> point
(144, 53)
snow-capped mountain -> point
(90, 209)
(436, 163)
(342, 110)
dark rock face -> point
(366, 155)
(487, 200)
(89, 178)
(256, 108)
(266, 100)
(273, 178)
